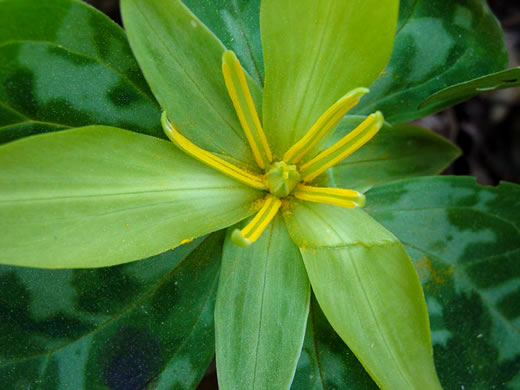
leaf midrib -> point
(14, 124)
(259, 334)
(109, 195)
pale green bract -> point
(367, 287)
(98, 196)
(316, 52)
(265, 284)
(182, 66)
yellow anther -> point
(334, 196)
(238, 90)
(343, 148)
(323, 125)
(210, 159)
(258, 224)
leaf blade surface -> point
(99, 196)
(261, 312)
(367, 287)
(315, 53)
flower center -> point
(282, 178)
(293, 176)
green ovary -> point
(282, 178)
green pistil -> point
(282, 178)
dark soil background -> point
(486, 128)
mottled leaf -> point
(463, 91)
(462, 359)
(465, 242)
(182, 61)
(438, 44)
(396, 152)
(64, 65)
(143, 325)
(237, 24)
(315, 52)
(98, 196)
(261, 312)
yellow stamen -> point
(238, 90)
(334, 196)
(343, 148)
(323, 125)
(258, 224)
(210, 159)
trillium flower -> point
(255, 162)
(288, 179)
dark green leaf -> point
(463, 91)
(465, 242)
(326, 362)
(126, 327)
(396, 152)
(64, 65)
(439, 43)
(237, 24)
